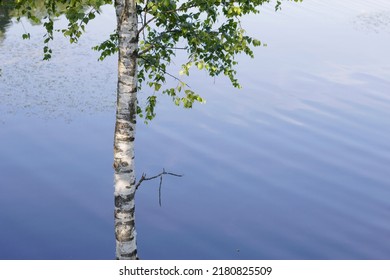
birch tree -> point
(147, 37)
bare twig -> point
(159, 191)
(144, 178)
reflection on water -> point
(57, 89)
(374, 22)
(4, 15)
(294, 166)
(5, 20)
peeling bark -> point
(124, 175)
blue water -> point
(294, 166)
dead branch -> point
(144, 178)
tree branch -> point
(145, 50)
(144, 178)
(183, 7)
(167, 73)
(145, 24)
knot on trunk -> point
(121, 166)
(124, 231)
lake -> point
(296, 165)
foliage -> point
(209, 31)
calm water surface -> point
(294, 166)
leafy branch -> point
(195, 26)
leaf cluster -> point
(208, 31)
(78, 14)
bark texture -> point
(124, 169)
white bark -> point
(124, 177)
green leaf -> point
(200, 65)
(26, 36)
(157, 86)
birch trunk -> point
(124, 175)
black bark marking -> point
(123, 127)
(132, 255)
(120, 200)
(125, 138)
(119, 164)
(123, 116)
(122, 212)
(133, 111)
(117, 149)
